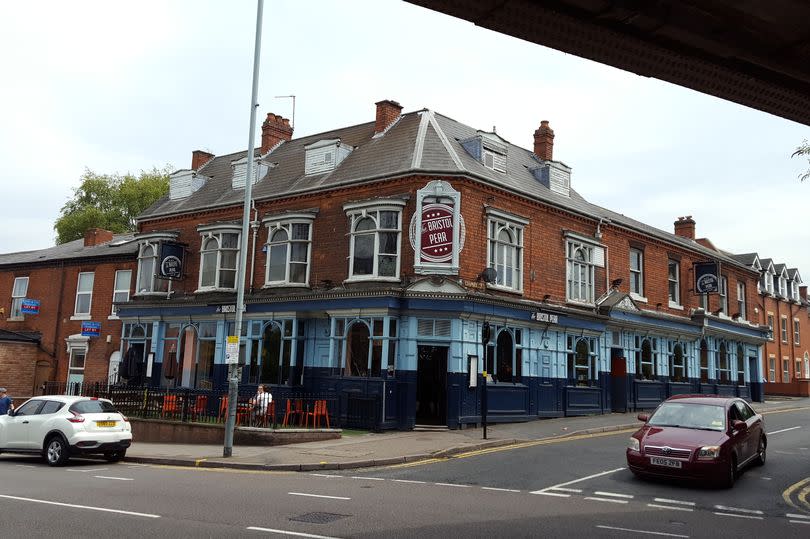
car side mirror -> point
(644, 417)
(11, 412)
(739, 425)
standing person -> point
(6, 403)
(260, 403)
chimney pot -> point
(274, 130)
(199, 158)
(685, 227)
(544, 141)
(387, 112)
(96, 236)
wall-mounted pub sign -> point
(171, 260)
(707, 277)
(437, 229)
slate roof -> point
(421, 142)
(747, 259)
(20, 336)
(121, 244)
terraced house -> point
(400, 259)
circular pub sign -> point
(437, 233)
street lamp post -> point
(233, 359)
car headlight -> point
(709, 452)
(634, 444)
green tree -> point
(803, 150)
(110, 201)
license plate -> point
(671, 463)
(105, 423)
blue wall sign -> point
(30, 306)
(91, 329)
(707, 277)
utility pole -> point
(233, 359)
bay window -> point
(505, 253)
(288, 250)
(219, 257)
(374, 249)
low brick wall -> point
(154, 430)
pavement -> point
(365, 450)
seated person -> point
(260, 403)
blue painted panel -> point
(707, 389)
(679, 388)
(726, 390)
(648, 393)
(744, 392)
(583, 400)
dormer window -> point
(240, 172)
(324, 155)
(489, 149)
(554, 175)
(183, 183)
(783, 287)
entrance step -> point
(431, 428)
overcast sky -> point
(125, 86)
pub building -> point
(381, 255)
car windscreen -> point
(92, 407)
(689, 416)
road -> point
(572, 488)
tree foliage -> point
(109, 201)
(803, 151)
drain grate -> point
(318, 518)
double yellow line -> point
(801, 495)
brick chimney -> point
(96, 236)
(199, 158)
(274, 130)
(544, 141)
(387, 112)
(685, 227)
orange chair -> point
(200, 407)
(293, 412)
(241, 415)
(268, 417)
(319, 412)
(170, 406)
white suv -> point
(58, 427)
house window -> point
(770, 327)
(724, 294)
(637, 272)
(677, 362)
(785, 371)
(723, 364)
(772, 369)
(218, 260)
(18, 293)
(375, 244)
(769, 282)
(84, 294)
(580, 272)
(288, 253)
(368, 345)
(783, 324)
(646, 358)
(740, 365)
(506, 253)
(582, 364)
(674, 279)
(121, 289)
(148, 281)
(796, 332)
(741, 300)
(704, 362)
(782, 287)
(807, 365)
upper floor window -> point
(741, 299)
(506, 253)
(148, 281)
(374, 249)
(84, 294)
(770, 327)
(121, 289)
(783, 287)
(724, 294)
(637, 272)
(219, 258)
(18, 293)
(674, 281)
(579, 271)
(288, 251)
(796, 331)
(784, 329)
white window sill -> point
(213, 289)
(147, 294)
(16, 319)
(579, 303)
(372, 278)
(501, 288)
(80, 317)
(113, 317)
(636, 297)
(676, 306)
(284, 284)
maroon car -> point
(698, 437)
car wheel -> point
(730, 473)
(763, 446)
(57, 451)
(115, 456)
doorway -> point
(618, 380)
(431, 385)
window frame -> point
(15, 313)
(157, 286)
(83, 315)
(785, 370)
(116, 290)
(796, 332)
(356, 213)
(637, 273)
(497, 224)
(724, 294)
(217, 232)
(771, 323)
(674, 282)
(673, 365)
(783, 329)
(586, 268)
(741, 301)
(383, 331)
(772, 369)
(573, 361)
(641, 362)
(288, 224)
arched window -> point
(505, 353)
(506, 253)
(740, 365)
(276, 356)
(723, 367)
(374, 247)
(580, 272)
(677, 364)
(645, 360)
(288, 249)
(218, 259)
(581, 364)
(704, 361)
(357, 350)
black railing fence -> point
(290, 408)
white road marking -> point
(25, 465)
(87, 470)
(611, 500)
(737, 509)
(783, 430)
(285, 532)
(103, 509)
(563, 489)
(673, 507)
(642, 531)
(116, 478)
(330, 476)
(738, 516)
(368, 478)
(678, 502)
(409, 481)
(500, 489)
(544, 493)
(318, 496)
(577, 480)
(799, 521)
(451, 485)
(613, 494)
(793, 515)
